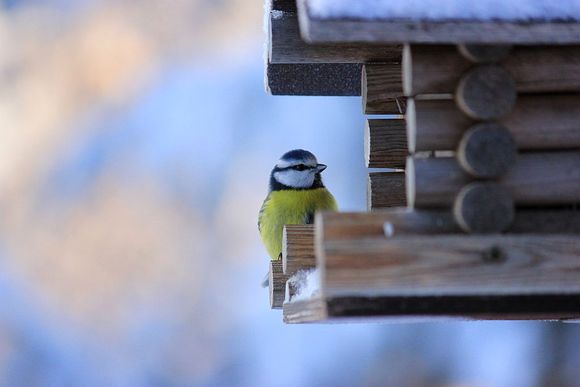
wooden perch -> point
(537, 122)
(382, 89)
(297, 248)
(438, 69)
(385, 143)
(551, 178)
(332, 79)
(451, 265)
(353, 28)
(386, 189)
(286, 46)
(277, 284)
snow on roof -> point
(445, 10)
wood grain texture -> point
(297, 248)
(277, 284)
(484, 208)
(353, 225)
(542, 178)
(484, 53)
(535, 69)
(287, 46)
(486, 92)
(445, 265)
(330, 79)
(386, 189)
(382, 88)
(537, 122)
(385, 143)
(351, 29)
(487, 150)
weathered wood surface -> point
(486, 92)
(486, 150)
(385, 143)
(382, 88)
(445, 265)
(297, 248)
(548, 178)
(277, 284)
(332, 79)
(484, 208)
(386, 189)
(287, 46)
(536, 69)
(406, 309)
(537, 122)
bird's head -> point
(297, 169)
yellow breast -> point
(290, 207)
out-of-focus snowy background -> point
(135, 145)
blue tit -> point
(296, 193)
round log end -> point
(484, 53)
(487, 150)
(486, 92)
(411, 122)
(483, 208)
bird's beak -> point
(320, 168)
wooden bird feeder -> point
(476, 214)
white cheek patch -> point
(295, 179)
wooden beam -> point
(445, 265)
(286, 46)
(382, 89)
(353, 28)
(430, 308)
(321, 79)
(549, 178)
(403, 221)
(297, 248)
(538, 122)
(536, 69)
(386, 189)
(385, 143)
(277, 284)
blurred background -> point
(135, 145)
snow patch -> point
(513, 10)
(306, 283)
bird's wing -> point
(261, 213)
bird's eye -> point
(300, 167)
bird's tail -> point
(266, 280)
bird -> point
(296, 192)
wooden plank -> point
(446, 265)
(297, 248)
(538, 122)
(386, 189)
(331, 79)
(382, 89)
(536, 69)
(542, 178)
(385, 143)
(277, 284)
(432, 308)
(333, 28)
(286, 46)
(404, 221)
